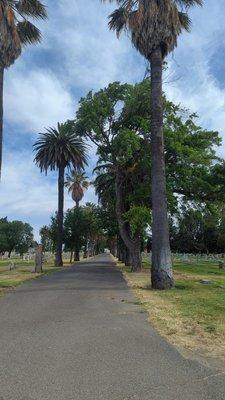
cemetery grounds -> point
(192, 315)
(16, 270)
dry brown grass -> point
(188, 315)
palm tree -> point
(76, 183)
(16, 31)
(57, 149)
(155, 26)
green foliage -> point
(46, 238)
(125, 145)
(117, 120)
(139, 218)
(82, 225)
(199, 230)
(15, 235)
(60, 147)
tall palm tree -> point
(57, 149)
(77, 183)
(16, 31)
(155, 26)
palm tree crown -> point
(60, 147)
(152, 23)
(16, 29)
(76, 183)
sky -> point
(77, 54)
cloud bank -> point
(78, 53)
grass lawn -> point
(192, 315)
(22, 272)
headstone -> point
(12, 266)
(205, 282)
(39, 258)
(221, 265)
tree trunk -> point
(85, 251)
(1, 116)
(76, 255)
(77, 251)
(135, 255)
(127, 258)
(133, 245)
(58, 260)
(71, 256)
(162, 275)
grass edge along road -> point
(23, 272)
(192, 315)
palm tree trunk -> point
(58, 260)
(162, 274)
(1, 115)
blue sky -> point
(77, 54)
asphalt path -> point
(77, 334)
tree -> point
(57, 149)
(25, 241)
(76, 183)
(101, 119)
(117, 120)
(74, 231)
(155, 26)
(3, 235)
(16, 31)
(82, 229)
(46, 239)
(15, 235)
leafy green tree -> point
(74, 231)
(46, 238)
(82, 229)
(117, 119)
(16, 31)
(155, 26)
(25, 239)
(139, 218)
(3, 235)
(101, 119)
(57, 149)
(15, 236)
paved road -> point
(76, 335)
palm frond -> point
(189, 3)
(118, 20)
(31, 8)
(152, 24)
(28, 33)
(60, 146)
(185, 21)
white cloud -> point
(192, 82)
(36, 99)
(79, 53)
(28, 195)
